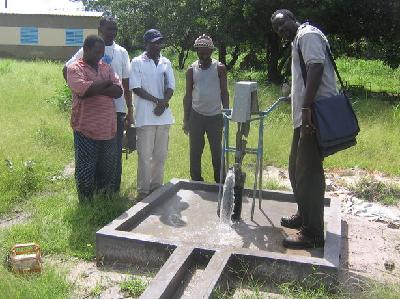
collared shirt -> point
(118, 58)
(313, 44)
(93, 116)
(155, 79)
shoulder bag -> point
(334, 117)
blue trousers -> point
(94, 165)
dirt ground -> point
(370, 249)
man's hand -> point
(160, 107)
(185, 127)
(307, 125)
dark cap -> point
(152, 35)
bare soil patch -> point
(90, 281)
(16, 217)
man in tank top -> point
(206, 93)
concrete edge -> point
(333, 236)
(118, 249)
(265, 193)
(282, 270)
(212, 274)
(165, 282)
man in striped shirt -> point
(94, 86)
(116, 56)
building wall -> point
(50, 39)
(62, 53)
(49, 21)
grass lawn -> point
(36, 144)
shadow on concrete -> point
(171, 215)
(267, 238)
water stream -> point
(227, 201)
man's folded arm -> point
(97, 88)
(115, 91)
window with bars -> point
(74, 37)
(29, 35)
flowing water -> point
(227, 200)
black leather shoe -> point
(293, 221)
(302, 241)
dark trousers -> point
(307, 178)
(118, 151)
(94, 165)
(198, 126)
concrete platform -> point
(177, 229)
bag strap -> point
(304, 70)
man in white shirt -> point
(118, 58)
(153, 83)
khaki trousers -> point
(152, 148)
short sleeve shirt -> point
(94, 116)
(118, 58)
(155, 79)
(312, 43)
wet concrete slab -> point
(190, 217)
(176, 228)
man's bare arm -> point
(145, 95)
(128, 101)
(168, 94)
(314, 77)
(187, 99)
(127, 92)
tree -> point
(357, 27)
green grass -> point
(373, 190)
(96, 291)
(274, 184)
(49, 284)
(372, 74)
(36, 144)
(133, 287)
(381, 291)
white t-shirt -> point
(313, 47)
(118, 57)
(155, 79)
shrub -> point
(62, 99)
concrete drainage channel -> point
(176, 229)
